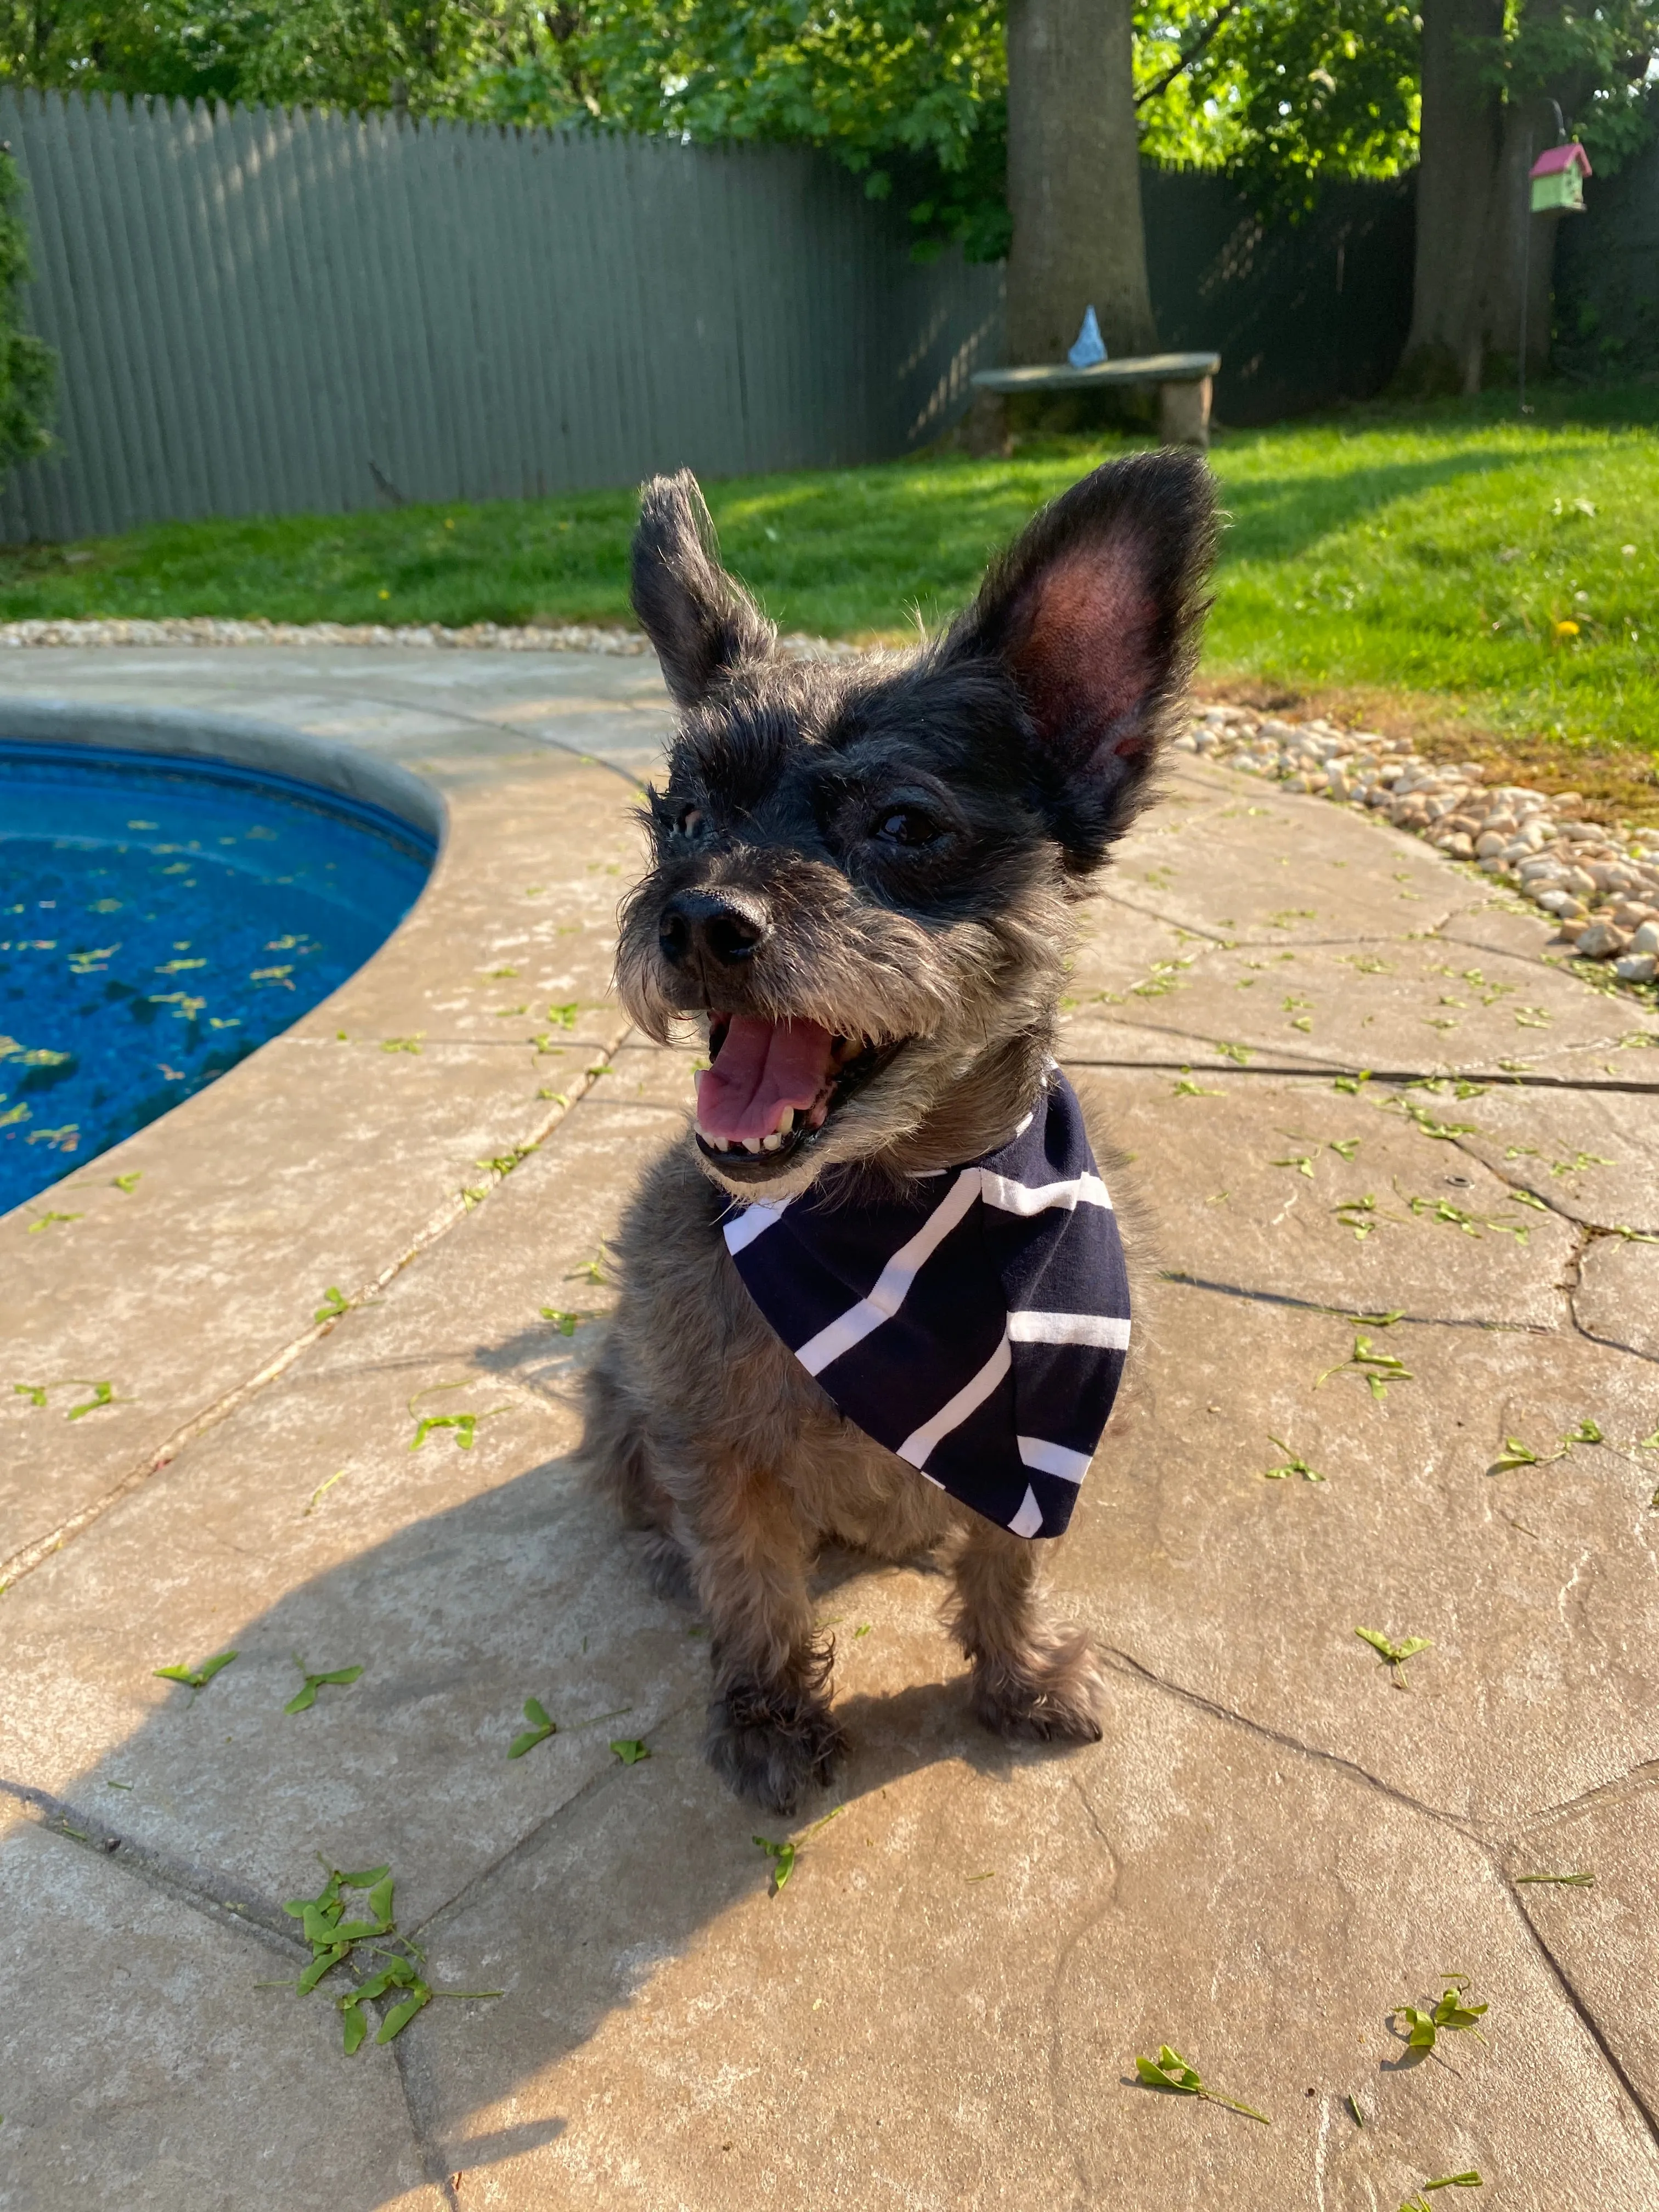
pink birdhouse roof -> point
(1569, 156)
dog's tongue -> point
(763, 1067)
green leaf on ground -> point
(126, 1184)
(47, 1221)
(1186, 1088)
(566, 1324)
(335, 1303)
(400, 2014)
(306, 1696)
(1563, 1881)
(1343, 1147)
(1240, 1055)
(1395, 1656)
(196, 1678)
(1452, 2012)
(1516, 1454)
(630, 1750)
(103, 1393)
(1587, 1433)
(1378, 1369)
(542, 1725)
(1351, 1084)
(1300, 1161)
(783, 1856)
(1169, 2070)
(1293, 1464)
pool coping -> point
(193, 733)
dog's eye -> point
(908, 826)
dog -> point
(859, 888)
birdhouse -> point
(1558, 180)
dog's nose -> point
(708, 925)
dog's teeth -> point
(786, 1123)
(771, 1144)
(751, 1144)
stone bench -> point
(1183, 380)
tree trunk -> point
(1475, 236)
(1074, 179)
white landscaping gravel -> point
(489, 637)
(1601, 885)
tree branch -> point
(1185, 61)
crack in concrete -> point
(1492, 1850)
(1313, 1071)
(203, 1891)
(1582, 2012)
(1127, 1663)
(453, 1211)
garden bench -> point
(1183, 381)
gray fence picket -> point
(249, 307)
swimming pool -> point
(161, 917)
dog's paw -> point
(773, 1745)
(1050, 1695)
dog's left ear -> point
(1094, 613)
(702, 623)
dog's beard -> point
(787, 1095)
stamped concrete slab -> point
(1314, 1195)
(464, 1567)
(1593, 1154)
(1600, 1933)
(1616, 1298)
(1536, 1585)
(944, 2005)
(130, 2018)
(1419, 1007)
(1272, 1846)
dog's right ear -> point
(702, 623)
(1093, 613)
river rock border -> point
(474, 637)
(1601, 885)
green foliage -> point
(1286, 94)
(28, 367)
(1593, 60)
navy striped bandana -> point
(977, 1329)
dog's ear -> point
(701, 621)
(1094, 613)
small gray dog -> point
(861, 887)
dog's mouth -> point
(771, 1088)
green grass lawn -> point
(1450, 551)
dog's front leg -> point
(770, 1732)
(1032, 1679)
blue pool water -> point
(160, 918)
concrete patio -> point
(1277, 1842)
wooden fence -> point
(275, 311)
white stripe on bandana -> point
(978, 1334)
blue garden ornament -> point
(1090, 347)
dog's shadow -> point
(576, 1898)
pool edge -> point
(328, 763)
